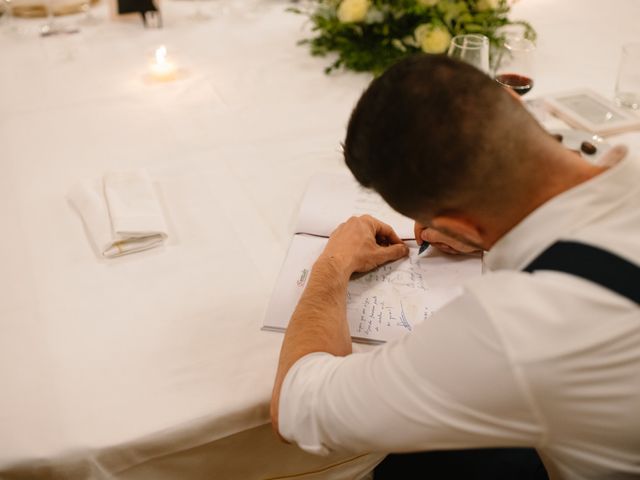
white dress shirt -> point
(546, 360)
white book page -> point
(383, 304)
(331, 198)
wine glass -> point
(515, 68)
(88, 18)
(471, 48)
(199, 15)
(7, 16)
(51, 27)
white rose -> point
(432, 39)
(484, 5)
(351, 11)
(427, 3)
(374, 16)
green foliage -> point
(387, 32)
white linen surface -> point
(148, 355)
(121, 212)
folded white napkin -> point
(121, 212)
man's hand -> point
(441, 241)
(361, 244)
(319, 322)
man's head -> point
(436, 137)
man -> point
(543, 351)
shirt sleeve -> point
(447, 385)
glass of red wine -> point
(515, 68)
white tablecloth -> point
(154, 365)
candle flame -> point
(161, 54)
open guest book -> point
(385, 303)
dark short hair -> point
(433, 133)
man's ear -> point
(461, 228)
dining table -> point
(154, 365)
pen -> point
(423, 247)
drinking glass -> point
(199, 15)
(515, 69)
(50, 28)
(511, 31)
(503, 34)
(628, 82)
(88, 18)
(7, 16)
(471, 48)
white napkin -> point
(121, 212)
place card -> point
(586, 110)
(147, 10)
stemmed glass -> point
(515, 68)
(199, 15)
(89, 18)
(471, 48)
(7, 15)
(51, 28)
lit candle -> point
(162, 69)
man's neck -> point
(566, 170)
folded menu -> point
(385, 303)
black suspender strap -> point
(593, 264)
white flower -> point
(432, 39)
(397, 43)
(351, 11)
(484, 5)
(427, 3)
(374, 16)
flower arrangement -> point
(370, 35)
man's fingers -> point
(445, 243)
(417, 232)
(443, 247)
(364, 243)
(383, 230)
(391, 253)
